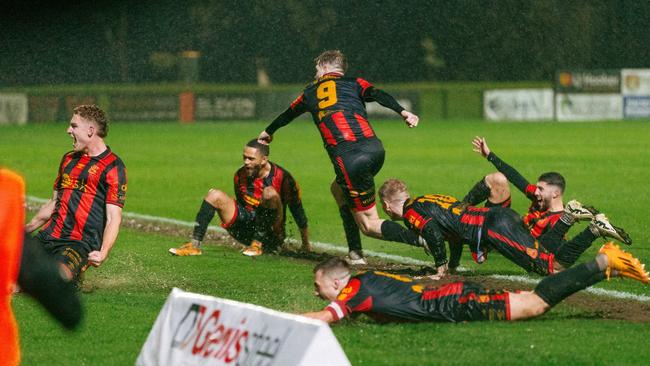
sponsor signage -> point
(194, 329)
(143, 108)
(223, 106)
(636, 106)
(635, 82)
(518, 104)
(588, 107)
(636, 93)
(13, 108)
(588, 81)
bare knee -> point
(337, 193)
(216, 198)
(270, 197)
(496, 180)
(269, 193)
(499, 187)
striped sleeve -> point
(116, 182)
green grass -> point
(171, 167)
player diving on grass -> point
(337, 104)
(388, 297)
(548, 219)
(256, 216)
(438, 218)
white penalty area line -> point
(385, 256)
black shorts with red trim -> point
(466, 301)
(73, 254)
(355, 165)
(242, 228)
(505, 231)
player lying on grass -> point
(387, 297)
(437, 218)
(548, 219)
(82, 219)
(256, 216)
(337, 104)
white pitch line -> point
(386, 256)
(591, 290)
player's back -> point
(338, 108)
(452, 216)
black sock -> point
(392, 231)
(569, 253)
(506, 203)
(479, 193)
(555, 288)
(352, 234)
(203, 218)
(264, 220)
(553, 239)
(455, 252)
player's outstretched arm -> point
(43, 214)
(323, 315)
(513, 176)
(481, 146)
(264, 138)
(411, 119)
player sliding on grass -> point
(256, 217)
(438, 218)
(337, 105)
(82, 219)
(387, 297)
(548, 218)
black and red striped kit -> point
(539, 222)
(84, 186)
(338, 109)
(387, 297)
(248, 193)
(439, 218)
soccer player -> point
(82, 219)
(256, 217)
(548, 218)
(439, 217)
(388, 297)
(337, 105)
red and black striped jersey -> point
(248, 191)
(388, 297)
(538, 222)
(439, 218)
(337, 105)
(85, 185)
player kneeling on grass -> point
(256, 217)
(388, 297)
(82, 219)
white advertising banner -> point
(518, 104)
(194, 329)
(636, 106)
(588, 107)
(13, 108)
(635, 82)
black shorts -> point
(72, 254)
(242, 228)
(505, 231)
(466, 301)
(356, 165)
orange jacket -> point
(12, 220)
